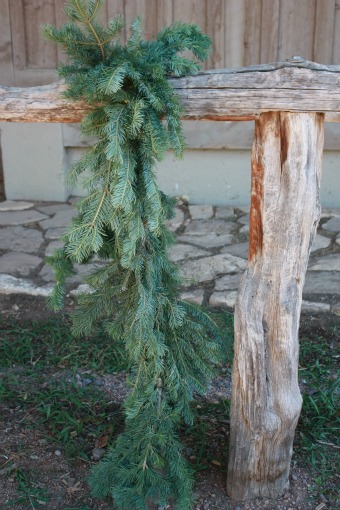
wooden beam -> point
(39, 104)
(226, 94)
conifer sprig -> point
(172, 345)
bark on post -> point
(266, 400)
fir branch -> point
(171, 345)
(88, 21)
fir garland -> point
(171, 344)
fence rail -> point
(226, 94)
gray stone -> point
(244, 229)
(207, 268)
(228, 282)
(85, 269)
(238, 249)
(47, 274)
(13, 205)
(330, 211)
(208, 240)
(83, 288)
(337, 240)
(201, 212)
(193, 296)
(98, 453)
(54, 233)
(332, 225)
(185, 251)
(18, 263)
(244, 220)
(307, 306)
(53, 245)
(329, 262)
(73, 200)
(175, 222)
(320, 242)
(23, 239)
(54, 208)
(21, 217)
(336, 309)
(223, 299)
(322, 282)
(244, 208)
(225, 213)
(11, 285)
(60, 219)
(204, 227)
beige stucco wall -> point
(34, 161)
(221, 177)
(36, 156)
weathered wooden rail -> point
(289, 102)
(225, 94)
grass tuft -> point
(319, 424)
(72, 417)
(51, 343)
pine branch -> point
(171, 345)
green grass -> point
(51, 343)
(30, 494)
(225, 322)
(319, 425)
(72, 417)
(69, 416)
(78, 508)
(212, 422)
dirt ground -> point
(25, 446)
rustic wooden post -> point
(266, 400)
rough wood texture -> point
(297, 27)
(6, 62)
(227, 94)
(252, 32)
(215, 28)
(324, 31)
(234, 32)
(266, 400)
(270, 30)
(242, 31)
(147, 10)
(336, 40)
(34, 60)
(39, 104)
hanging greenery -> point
(171, 344)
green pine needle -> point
(171, 345)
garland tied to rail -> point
(171, 344)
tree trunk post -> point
(266, 400)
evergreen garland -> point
(171, 344)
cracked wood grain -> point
(266, 400)
(227, 94)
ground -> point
(60, 409)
